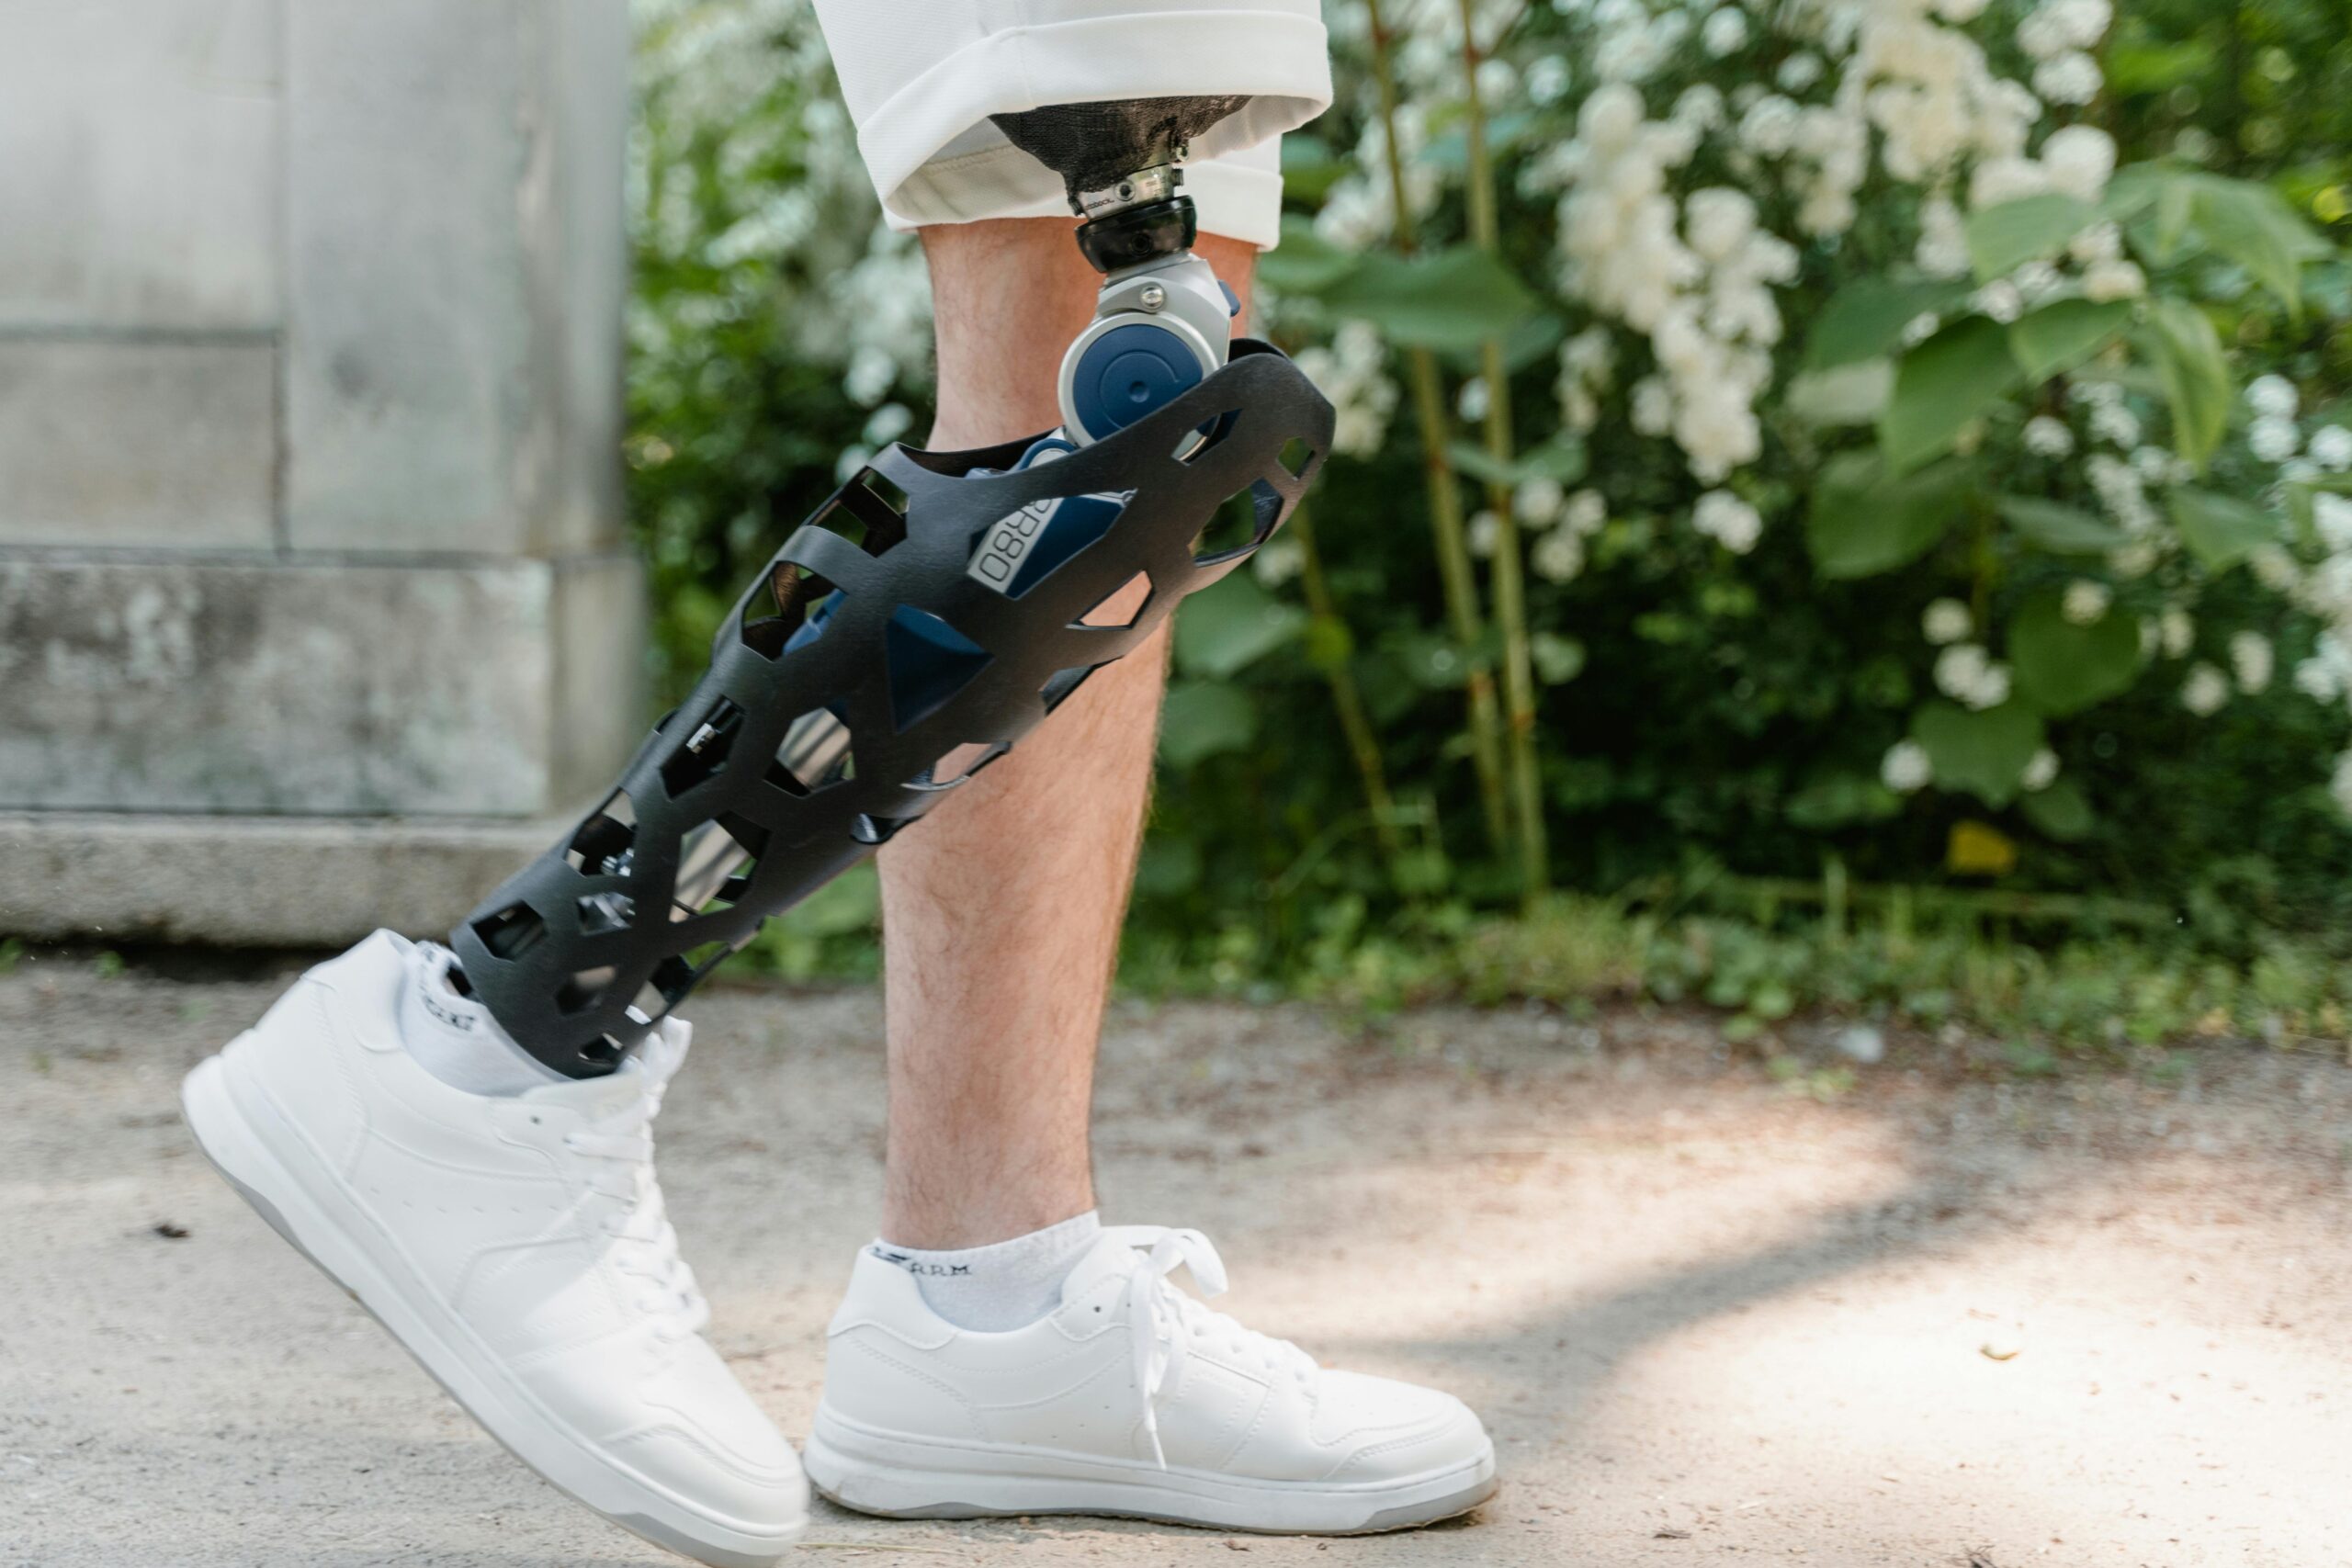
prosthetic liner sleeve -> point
(892, 648)
(1095, 145)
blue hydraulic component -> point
(1128, 372)
(929, 662)
(1077, 522)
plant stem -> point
(1455, 574)
(1511, 581)
(1363, 743)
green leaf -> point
(1454, 298)
(1231, 624)
(1983, 754)
(1309, 169)
(1940, 386)
(1329, 644)
(2154, 203)
(2061, 336)
(2187, 351)
(1166, 866)
(2003, 238)
(1561, 458)
(2220, 530)
(1204, 718)
(1558, 660)
(2060, 529)
(1305, 263)
(2132, 191)
(1853, 393)
(2174, 207)
(1865, 319)
(2134, 69)
(2059, 812)
(2253, 225)
(1437, 664)
(2061, 668)
(1840, 800)
(1537, 338)
(1863, 523)
(852, 902)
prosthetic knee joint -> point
(932, 611)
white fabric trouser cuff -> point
(921, 77)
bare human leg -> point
(1002, 914)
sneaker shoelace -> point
(1164, 1324)
(645, 1246)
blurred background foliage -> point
(1835, 504)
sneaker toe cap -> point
(698, 1436)
(1386, 1430)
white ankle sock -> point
(454, 1038)
(1005, 1285)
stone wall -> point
(310, 408)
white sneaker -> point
(1130, 1398)
(516, 1246)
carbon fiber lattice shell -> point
(577, 985)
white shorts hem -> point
(1278, 59)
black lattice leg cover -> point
(892, 648)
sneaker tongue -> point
(1106, 1260)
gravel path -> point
(2099, 1320)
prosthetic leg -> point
(931, 612)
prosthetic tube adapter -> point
(1162, 320)
(931, 612)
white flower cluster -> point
(1588, 369)
(2324, 589)
(812, 251)
(1353, 373)
(2048, 437)
(1946, 621)
(2253, 660)
(2322, 586)
(1699, 288)
(2059, 35)
(2085, 602)
(1635, 41)
(1729, 521)
(1361, 208)
(1559, 554)
(1972, 677)
(2205, 690)
(1694, 272)
(2121, 473)
(1907, 768)
(1930, 92)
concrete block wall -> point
(309, 415)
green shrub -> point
(1846, 464)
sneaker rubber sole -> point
(903, 1477)
(303, 1203)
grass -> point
(2051, 989)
